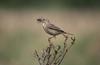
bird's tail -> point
(68, 33)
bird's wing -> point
(53, 27)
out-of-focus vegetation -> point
(49, 3)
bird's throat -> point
(44, 25)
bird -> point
(51, 29)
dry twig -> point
(54, 54)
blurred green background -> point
(20, 33)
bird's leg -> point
(49, 40)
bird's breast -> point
(44, 25)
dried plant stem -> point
(54, 54)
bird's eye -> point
(43, 19)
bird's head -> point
(42, 20)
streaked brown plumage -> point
(50, 28)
